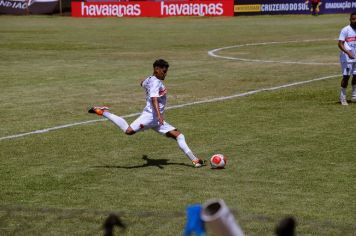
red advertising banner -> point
(153, 9)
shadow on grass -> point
(160, 163)
(348, 101)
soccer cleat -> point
(98, 110)
(353, 99)
(343, 102)
(198, 163)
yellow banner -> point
(247, 8)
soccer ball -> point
(218, 161)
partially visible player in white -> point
(347, 45)
(152, 116)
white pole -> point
(219, 219)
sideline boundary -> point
(41, 131)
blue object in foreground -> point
(194, 222)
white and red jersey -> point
(154, 88)
(348, 35)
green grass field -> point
(290, 150)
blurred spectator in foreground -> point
(286, 227)
(109, 224)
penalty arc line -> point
(173, 107)
(213, 52)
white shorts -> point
(348, 68)
(147, 121)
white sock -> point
(353, 90)
(117, 120)
(184, 147)
(343, 93)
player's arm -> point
(141, 81)
(156, 109)
(342, 48)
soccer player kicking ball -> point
(152, 116)
(347, 45)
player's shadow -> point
(160, 163)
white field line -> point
(173, 107)
(213, 52)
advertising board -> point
(153, 9)
(21, 7)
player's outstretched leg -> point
(117, 120)
(98, 110)
(184, 147)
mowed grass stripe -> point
(171, 107)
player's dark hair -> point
(161, 64)
(353, 14)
